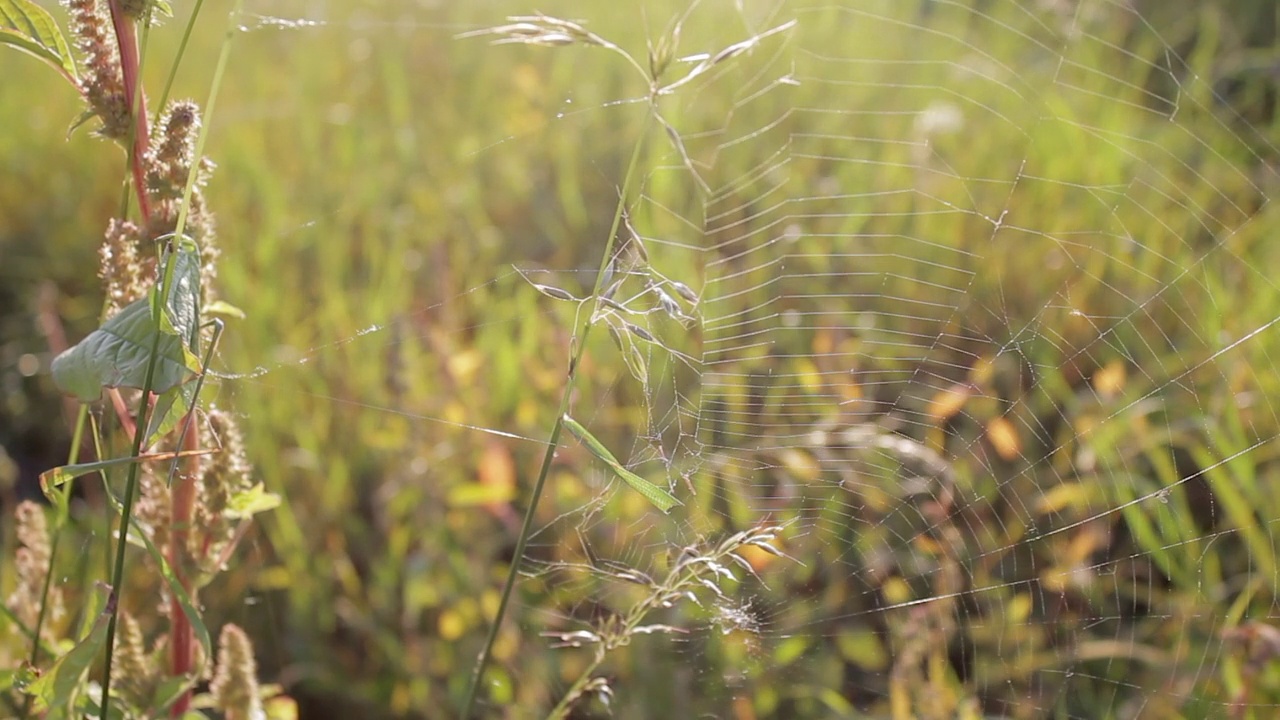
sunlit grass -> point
(377, 180)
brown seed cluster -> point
(235, 683)
(224, 475)
(31, 564)
(103, 80)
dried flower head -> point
(223, 475)
(235, 682)
(103, 80)
(31, 564)
(169, 159)
(126, 269)
(152, 508)
(169, 165)
(137, 674)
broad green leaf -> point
(661, 499)
(251, 502)
(50, 479)
(116, 355)
(56, 690)
(30, 28)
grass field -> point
(1061, 303)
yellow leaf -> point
(1108, 380)
(863, 648)
(463, 365)
(451, 625)
(1019, 609)
(1060, 497)
(800, 464)
(280, 707)
(896, 590)
(757, 558)
(497, 469)
(850, 391)
(824, 342)
(1004, 438)
(982, 371)
(476, 494)
(949, 402)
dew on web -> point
(966, 303)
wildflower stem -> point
(127, 42)
(547, 457)
(182, 505)
(183, 492)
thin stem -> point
(575, 691)
(208, 115)
(177, 60)
(59, 523)
(127, 43)
(547, 457)
(130, 490)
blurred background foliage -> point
(375, 171)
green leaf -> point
(251, 502)
(56, 690)
(661, 499)
(30, 28)
(50, 479)
(222, 307)
(116, 354)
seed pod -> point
(613, 289)
(641, 333)
(613, 305)
(555, 292)
(685, 291)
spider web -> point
(970, 301)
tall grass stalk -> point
(526, 527)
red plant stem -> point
(181, 510)
(127, 42)
(182, 494)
